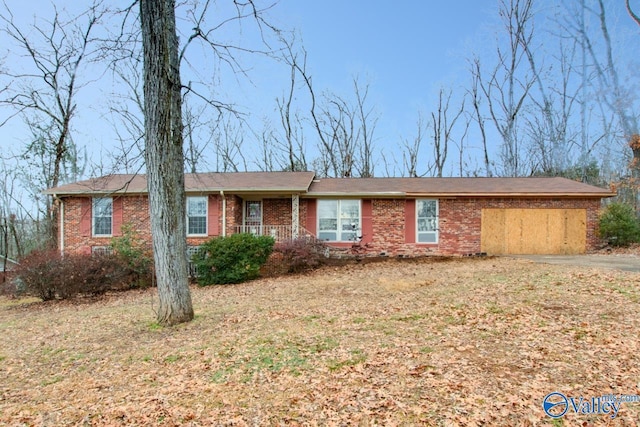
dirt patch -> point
(467, 341)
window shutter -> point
(410, 221)
(312, 215)
(117, 217)
(85, 217)
(213, 215)
(367, 221)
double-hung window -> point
(427, 217)
(339, 220)
(102, 218)
(197, 216)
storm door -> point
(253, 216)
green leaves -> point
(619, 225)
(233, 259)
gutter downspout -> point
(61, 227)
(224, 214)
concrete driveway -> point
(618, 262)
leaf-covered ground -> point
(420, 342)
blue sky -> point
(405, 50)
(408, 45)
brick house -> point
(390, 216)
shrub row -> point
(221, 260)
(239, 257)
(48, 275)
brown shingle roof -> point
(444, 187)
(247, 182)
(303, 182)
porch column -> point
(295, 222)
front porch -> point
(277, 217)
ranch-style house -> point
(381, 216)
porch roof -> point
(238, 182)
(454, 187)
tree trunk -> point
(164, 159)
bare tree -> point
(346, 133)
(269, 154)
(164, 128)
(44, 94)
(633, 15)
(10, 244)
(411, 149)
(127, 112)
(548, 130)
(442, 124)
(198, 135)
(463, 166)
(634, 139)
(620, 101)
(228, 140)
(164, 159)
(339, 129)
(20, 223)
(439, 125)
(476, 101)
(293, 142)
(506, 88)
(368, 120)
(604, 89)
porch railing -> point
(278, 232)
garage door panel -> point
(576, 230)
(493, 239)
(533, 231)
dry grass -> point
(458, 342)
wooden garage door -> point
(533, 231)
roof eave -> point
(248, 190)
(56, 193)
(279, 191)
(384, 194)
(513, 194)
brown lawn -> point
(421, 342)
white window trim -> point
(338, 225)
(93, 217)
(436, 231)
(206, 216)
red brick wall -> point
(459, 222)
(460, 219)
(276, 211)
(135, 211)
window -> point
(338, 220)
(427, 216)
(101, 250)
(197, 216)
(102, 208)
